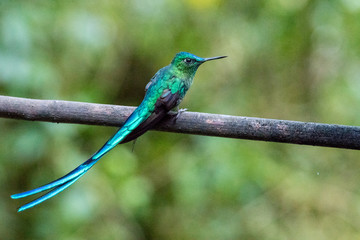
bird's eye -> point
(188, 60)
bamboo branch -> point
(307, 133)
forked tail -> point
(55, 187)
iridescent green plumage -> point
(164, 92)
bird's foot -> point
(176, 115)
(180, 111)
(133, 145)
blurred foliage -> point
(296, 60)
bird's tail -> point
(62, 183)
(57, 186)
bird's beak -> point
(213, 58)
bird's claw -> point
(176, 115)
(179, 112)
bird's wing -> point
(163, 105)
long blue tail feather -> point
(48, 195)
(79, 171)
(62, 183)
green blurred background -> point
(294, 60)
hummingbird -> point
(164, 92)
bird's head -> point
(188, 63)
